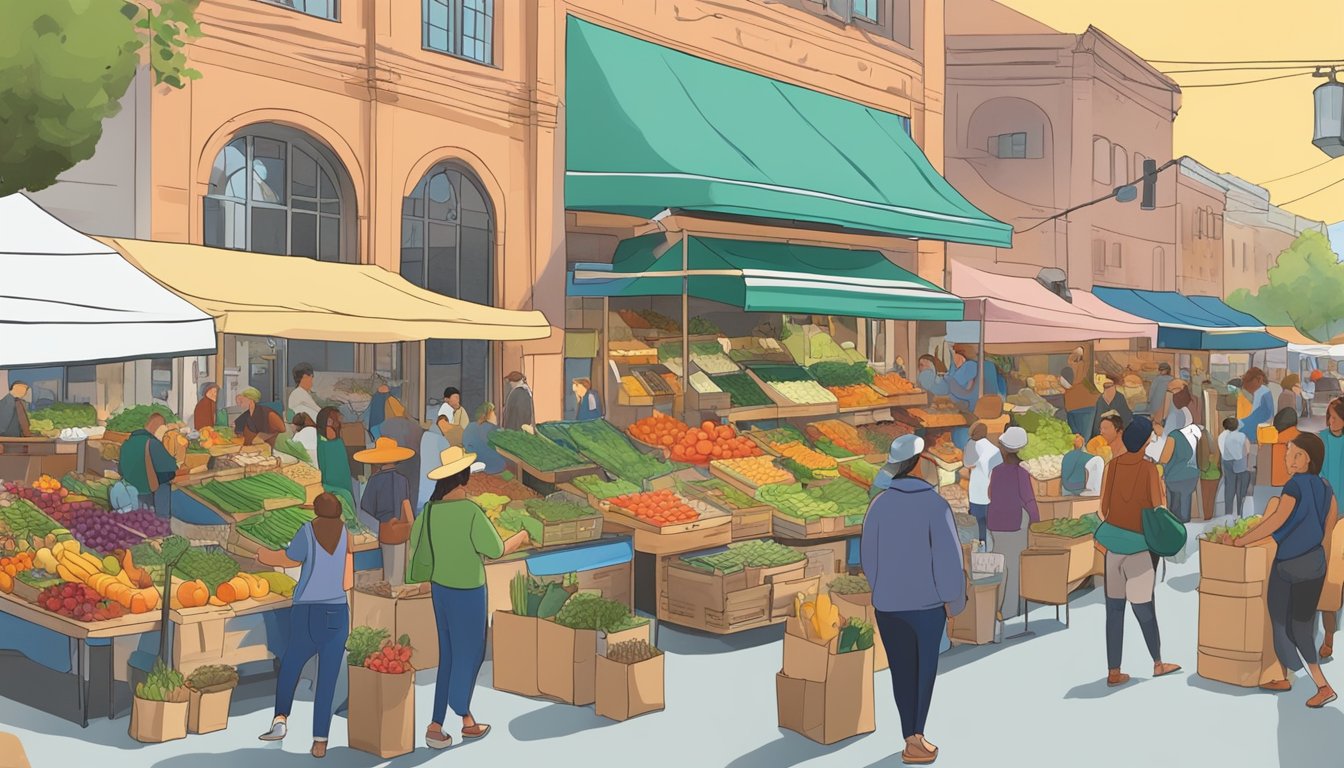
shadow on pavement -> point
(1223, 689)
(1308, 736)
(961, 655)
(1186, 583)
(688, 642)
(556, 721)
(788, 751)
(1099, 690)
(337, 757)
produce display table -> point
(606, 565)
(553, 477)
(25, 459)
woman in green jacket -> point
(449, 542)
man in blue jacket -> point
(912, 558)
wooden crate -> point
(554, 476)
(787, 527)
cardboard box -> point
(381, 720)
(624, 691)
(1081, 549)
(782, 594)
(826, 560)
(975, 624)
(830, 711)
(1223, 562)
(11, 752)
(1044, 574)
(742, 608)
(408, 615)
(1067, 507)
(154, 722)
(1247, 670)
(208, 712)
(860, 606)
(513, 653)
(1046, 488)
(1232, 623)
(567, 660)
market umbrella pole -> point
(980, 370)
(685, 321)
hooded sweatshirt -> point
(910, 550)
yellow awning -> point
(298, 298)
(1291, 335)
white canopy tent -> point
(67, 298)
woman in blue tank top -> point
(319, 618)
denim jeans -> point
(1294, 590)
(315, 629)
(1180, 498)
(912, 639)
(460, 615)
(1235, 487)
(980, 512)
(161, 501)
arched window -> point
(1120, 163)
(276, 190)
(447, 246)
(1101, 160)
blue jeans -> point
(912, 639)
(315, 629)
(1080, 421)
(460, 615)
(980, 512)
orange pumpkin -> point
(192, 594)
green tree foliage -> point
(1305, 289)
(64, 67)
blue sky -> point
(1337, 239)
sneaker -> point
(277, 732)
(1277, 686)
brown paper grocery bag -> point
(208, 712)
(381, 719)
(154, 722)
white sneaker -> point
(277, 732)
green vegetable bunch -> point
(66, 415)
(588, 611)
(632, 652)
(212, 678)
(132, 419)
(762, 553)
(855, 635)
(700, 326)
(362, 643)
(554, 511)
(1225, 534)
(841, 374)
(214, 566)
(850, 585)
(163, 684)
(604, 489)
(1050, 437)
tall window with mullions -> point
(447, 246)
(463, 28)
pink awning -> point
(1020, 310)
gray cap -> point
(1013, 439)
(904, 448)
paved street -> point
(1037, 700)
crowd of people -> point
(1144, 477)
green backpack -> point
(1163, 531)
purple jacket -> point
(1010, 492)
(910, 551)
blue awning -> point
(1192, 322)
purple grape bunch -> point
(100, 531)
(146, 522)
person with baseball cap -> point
(911, 555)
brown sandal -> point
(1163, 670)
(1116, 678)
(476, 731)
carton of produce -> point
(513, 653)
(568, 645)
(629, 681)
(1232, 616)
(381, 720)
(1223, 562)
(829, 698)
(159, 709)
(211, 690)
(410, 614)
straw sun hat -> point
(384, 451)
(451, 461)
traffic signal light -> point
(1148, 195)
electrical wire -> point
(1239, 69)
(1101, 199)
(1242, 82)
(1298, 173)
(1334, 183)
(1247, 61)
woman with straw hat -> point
(450, 539)
(387, 499)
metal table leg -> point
(82, 695)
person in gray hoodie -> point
(912, 558)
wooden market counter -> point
(200, 635)
(25, 459)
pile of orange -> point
(692, 445)
(843, 435)
(893, 384)
(758, 470)
(659, 508)
(857, 396)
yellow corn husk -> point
(826, 619)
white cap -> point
(904, 448)
(1013, 439)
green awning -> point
(649, 128)
(767, 277)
